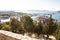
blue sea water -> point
(55, 14)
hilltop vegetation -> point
(27, 25)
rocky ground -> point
(5, 35)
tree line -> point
(27, 25)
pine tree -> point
(15, 25)
(27, 23)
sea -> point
(34, 13)
(55, 14)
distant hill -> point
(58, 11)
(28, 12)
(10, 13)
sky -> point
(19, 5)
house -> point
(41, 18)
(4, 19)
(7, 18)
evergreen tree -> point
(5, 27)
(51, 26)
(37, 27)
(44, 28)
(57, 32)
(27, 23)
(15, 25)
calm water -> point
(56, 16)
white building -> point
(7, 18)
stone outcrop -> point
(6, 35)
